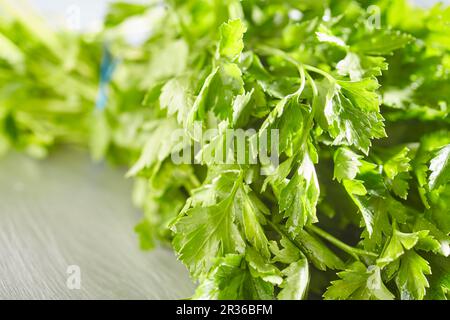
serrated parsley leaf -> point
(252, 218)
(225, 218)
(230, 279)
(397, 169)
(175, 97)
(206, 233)
(359, 283)
(398, 244)
(260, 267)
(354, 126)
(298, 199)
(288, 254)
(400, 185)
(318, 253)
(440, 168)
(352, 113)
(351, 66)
(398, 163)
(231, 44)
(411, 279)
(358, 67)
(346, 164)
(295, 284)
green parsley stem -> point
(319, 71)
(355, 252)
(282, 54)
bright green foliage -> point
(295, 284)
(359, 283)
(411, 278)
(346, 164)
(440, 168)
(359, 206)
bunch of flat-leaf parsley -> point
(358, 206)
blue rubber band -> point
(107, 68)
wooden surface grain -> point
(65, 211)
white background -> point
(92, 11)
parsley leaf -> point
(359, 283)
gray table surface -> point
(67, 211)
